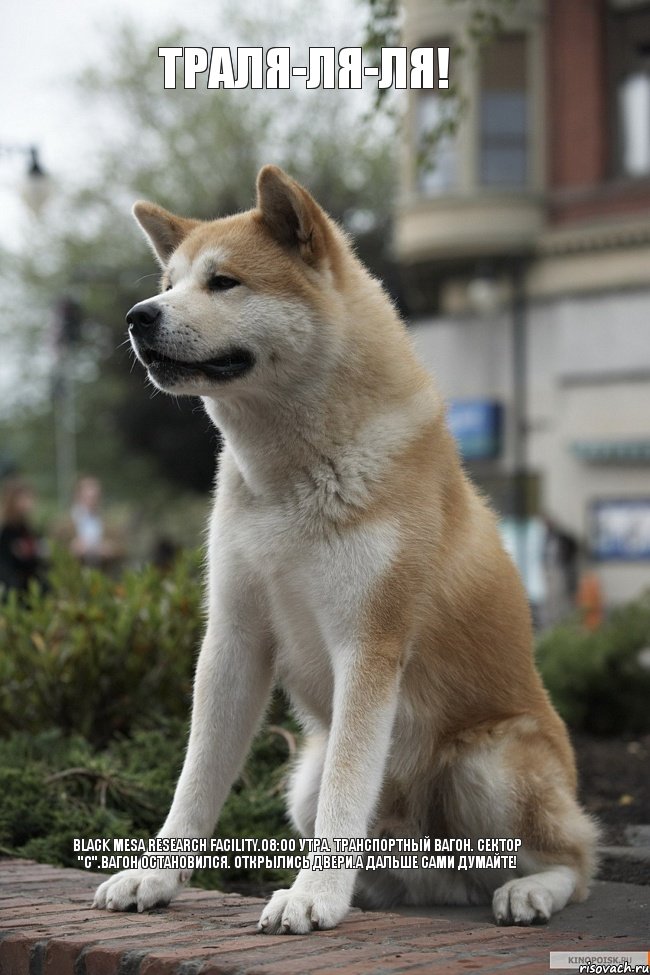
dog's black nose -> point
(143, 316)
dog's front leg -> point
(365, 698)
(232, 684)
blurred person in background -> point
(22, 553)
(560, 557)
(165, 552)
(90, 541)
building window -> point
(436, 147)
(634, 114)
(629, 57)
(503, 113)
(436, 141)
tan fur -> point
(353, 560)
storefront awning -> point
(612, 451)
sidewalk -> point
(48, 928)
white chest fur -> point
(315, 585)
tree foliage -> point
(196, 152)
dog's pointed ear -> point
(291, 215)
(163, 230)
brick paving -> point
(47, 927)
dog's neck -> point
(321, 453)
(278, 442)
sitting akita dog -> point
(351, 560)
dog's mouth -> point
(235, 362)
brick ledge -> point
(48, 928)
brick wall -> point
(576, 88)
(579, 148)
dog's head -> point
(245, 301)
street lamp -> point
(67, 334)
(37, 186)
(35, 192)
(483, 293)
(520, 411)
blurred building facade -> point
(525, 254)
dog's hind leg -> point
(558, 856)
(533, 899)
(518, 782)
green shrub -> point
(56, 788)
(95, 695)
(94, 656)
(596, 679)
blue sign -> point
(620, 529)
(477, 426)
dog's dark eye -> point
(169, 287)
(221, 282)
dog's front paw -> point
(301, 911)
(138, 889)
(522, 901)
